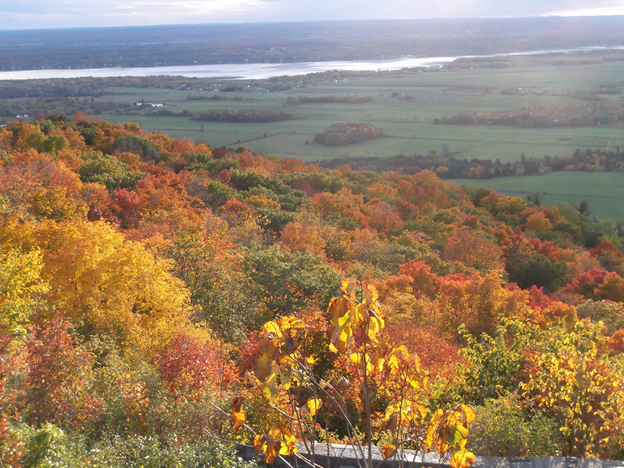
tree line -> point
(448, 165)
(331, 99)
(593, 113)
(247, 115)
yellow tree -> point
(104, 282)
(570, 375)
(21, 287)
(286, 358)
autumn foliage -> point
(158, 288)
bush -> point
(502, 429)
(50, 447)
(610, 313)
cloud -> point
(301, 10)
(75, 13)
(592, 11)
(79, 13)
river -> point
(259, 71)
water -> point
(258, 71)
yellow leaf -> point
(279, 430)
(358, 314)
(270, 384)
(238, 416)
(272, 450)
(237, 403)
(387, 451)
(414, 383)
(280, 441)
(259, 444)
(239, 419)
(288, 442)
(379, 363)
(262, 366)
(393, 362)
(390, 423)
(462, 459)
(286, 378)
(419, 410)
(338, 307)
(348, 286)
(374, 329)
(432, 430)
(273, 329)
(468, 414)
(371, 294)
(313, 405)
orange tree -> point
(304, 387)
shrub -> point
(502, 429)
(50, 447)
(610, 313)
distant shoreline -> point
(260, 71)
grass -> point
(469, 142)
(433, 94)
(602, 190)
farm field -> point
(604, 191)
(404, 108)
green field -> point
(604, 191)
(408, 122)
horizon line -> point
(241, 23)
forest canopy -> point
(159, 294)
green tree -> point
(221, 295)
(584, 210)
(108, 170)
(593, 233)
(539, 271)
(535, 198)
(291, 281)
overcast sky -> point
(36, 14)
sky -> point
(38, 14)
